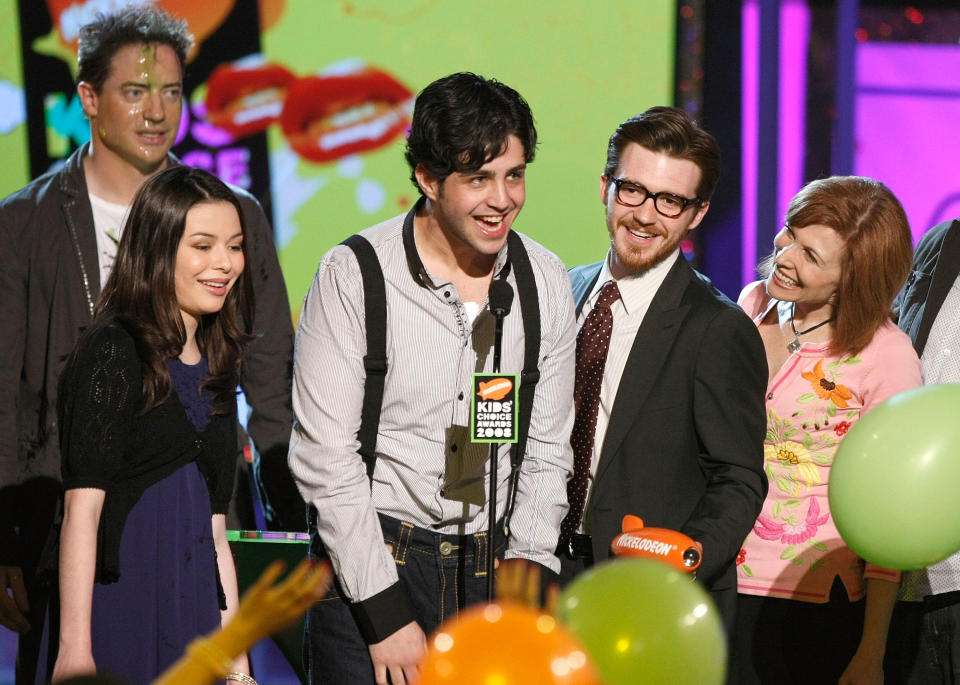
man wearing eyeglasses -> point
(671, 375)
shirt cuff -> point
(548, 561)
(881, 573)
(383, 614)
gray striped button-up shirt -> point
(427, 472)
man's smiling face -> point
(640, 236)
(475, 209)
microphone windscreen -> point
(501, 297)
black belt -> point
(404, 533)
(944, 599)
(578, 547)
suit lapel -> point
(944, 274)
(582, 279)
(651, 347)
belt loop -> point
(404, 535)
(480, 542)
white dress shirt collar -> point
(636, 290)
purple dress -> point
(167, 593)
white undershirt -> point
(473, 310)
(108, 220)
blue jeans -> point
(938, 660)
(924, 644)
(442, 574)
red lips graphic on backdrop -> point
(328, 117)
(323, 117)
(244, 101)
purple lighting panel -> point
(794, 41)
(750, 19)
(907, 111)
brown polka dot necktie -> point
(593, 342)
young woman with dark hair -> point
(809, 610)
(147, 414)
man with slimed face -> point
(670, 373)
(58, 240)
(405, 525)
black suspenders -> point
(375, 361)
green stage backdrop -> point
(13, 146)
(343, 73)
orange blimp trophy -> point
(666, 545)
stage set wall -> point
(793, 89)
(583, 67)
(351, 68)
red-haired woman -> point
(809, 610)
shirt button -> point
(453, 448)
(460, 396)
(446, 293)
(769, 395)
(445, 548)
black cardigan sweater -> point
(107, 442)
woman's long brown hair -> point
(141, 295)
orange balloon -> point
(203, 18)
(270, 13)
(505, 644)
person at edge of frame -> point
(924, 643)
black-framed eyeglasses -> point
(666, 204)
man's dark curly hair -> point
(135, 25)
(462, 121)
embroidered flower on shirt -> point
(788, 455)
(825, 388)
(791, 532)
(798, 459)
(841, 428)
(741, 556)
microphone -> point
(501, 298)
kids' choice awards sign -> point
(493, 409)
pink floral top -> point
(794, 550)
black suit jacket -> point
(936, 264)
(684, 444)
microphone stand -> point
(501, 299)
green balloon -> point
(642, 621)
(893, 484)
